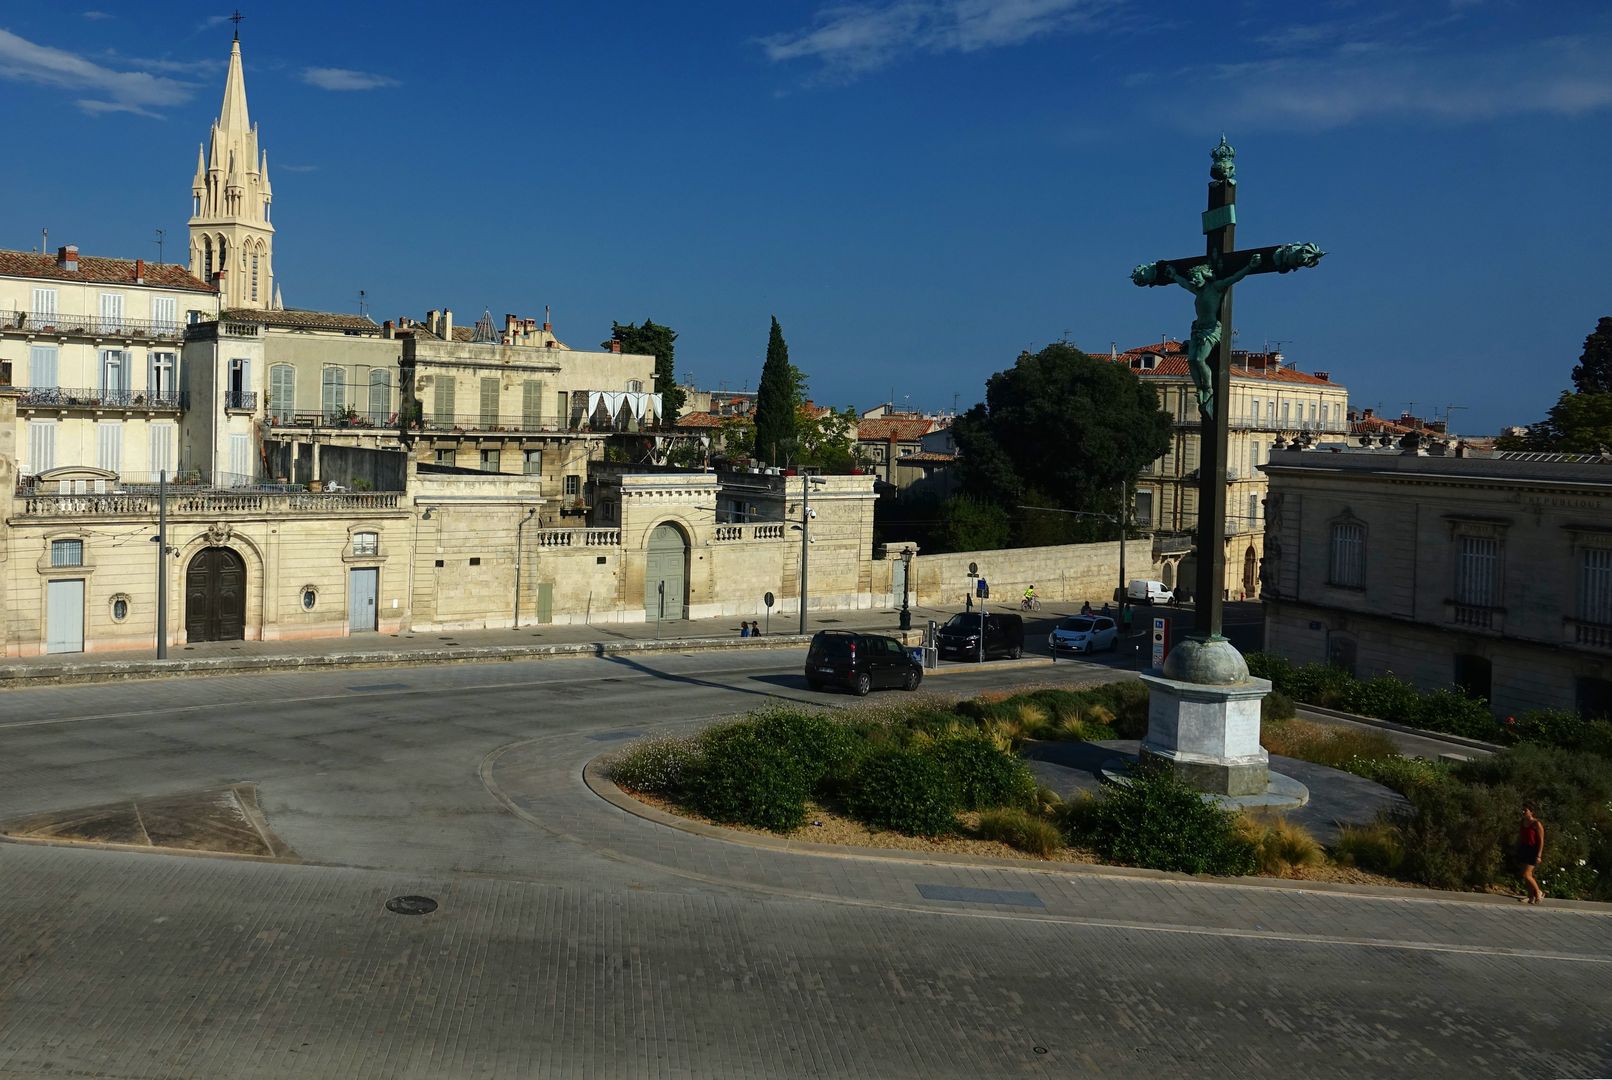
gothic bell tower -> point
(231, 236)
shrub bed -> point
(1157, 821)
(905, 790)
(1021, 830)
(1385, 697)
(746, 777)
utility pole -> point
(805, 538)
(162, 564)
(519, 525)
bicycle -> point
(1030, 603)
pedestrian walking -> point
(1530, 848)
(755, 629)
(744, 629)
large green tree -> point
(650, 338)
(1581, 420)
(778, 398)
(1059, 429)
(1593, 375)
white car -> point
(1084, 633)
(1150, 592)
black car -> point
(959, 639)
(860, 662)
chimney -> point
(548, 326)
(447, 324)
(139, 271)
(67, 257)
(510, 326)
(388, 330)
(433, 322)
(1367, 414)
(615, 345)
(1324, 376)
(1276, 360)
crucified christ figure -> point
(1208, 290)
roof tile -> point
(94, 269)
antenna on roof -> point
(44, 241)
(362, 301)
(159, 247)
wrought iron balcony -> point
(78, 397)
(243, 400)
(92, 326)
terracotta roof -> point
(882, 430)
(305, 320)
(700, 419)
(93, 268)
(1173, 362)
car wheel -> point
(1113, 644)
(863, 685)
(1015, 652)
(914, 677)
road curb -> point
(105, 671)
(1403, 729)
(606, 789)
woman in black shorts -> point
(1530, 846)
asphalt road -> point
(573, 939)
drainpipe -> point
(519, 525)
(162, 564)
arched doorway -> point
(665, 573)
(215, 596)
(1250, 572)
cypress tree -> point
(775, 400)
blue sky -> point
(918, 189)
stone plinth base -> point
(1208, 734)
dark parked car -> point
(860, 662)
(959, 639)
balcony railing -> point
(80, 397)
(1593, 635)
(765, 531)
(338, 419)
(484, 423)
(244, 400)
(122, 504)
(93, 326)
(1477, 616)
(552, 538)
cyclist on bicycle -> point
(1029, 598)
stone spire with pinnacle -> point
(231, 235)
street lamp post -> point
(806, 483)
(906, 587)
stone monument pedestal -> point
(1203, 719)
(1208, 734)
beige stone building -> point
(1272, 404)
(94, 345)
(1492, 573)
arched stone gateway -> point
(1250, 572)
(215, 596)
(666, 573)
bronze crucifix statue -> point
(1210, 279)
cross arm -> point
(1280, 258)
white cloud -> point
(1362, 81)
(345, 79)
(106, 89)
(859, 38)
(296, 168)
(99, 15)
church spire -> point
(231, 238)
(232, 114)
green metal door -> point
(665, 573)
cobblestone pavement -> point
(575, 939)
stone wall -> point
(1068, 573)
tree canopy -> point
(778, 399)
(1059, 429)
(652, 339)
(1593, 375)
(1581, 420)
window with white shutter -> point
(1477, 577)
(531, 405)
(41, 446)
(240, 460)
(165, 312)
(489, 403)
(162, 449)
(160, 377)
(109, 446)
(333, 393)
(111, 311)
(1595, 586)
(1348, 562)
(380, 395)
(44, 303)
(42, 365)
(114, 374)
(442, 400)
(282, 392)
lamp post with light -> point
(906, 586)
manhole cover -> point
(411, 905)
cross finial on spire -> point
(236, 19)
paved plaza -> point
(573, 939)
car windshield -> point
(1080, 626)
(963, 621)
(832, 645)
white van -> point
(1149, 592)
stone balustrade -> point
(555, 538)
(116, 504)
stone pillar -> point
(1203, 719)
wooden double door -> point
(215, 596)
